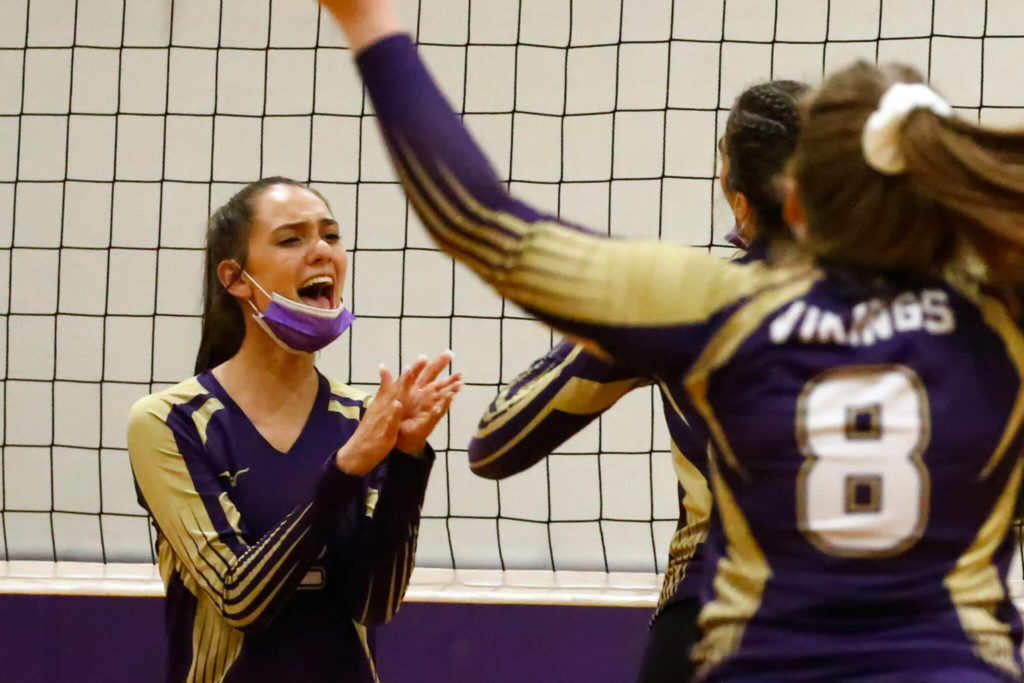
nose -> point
(320, 250)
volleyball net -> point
(123, 125)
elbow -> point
(487, 470)
(481, 463)
(501, 465)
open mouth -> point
(318, 292)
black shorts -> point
(672, 635)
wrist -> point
(365, 22)
(351, 461)
(412, 448)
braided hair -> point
(760, 137)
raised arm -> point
(553, 399)
(625, 296)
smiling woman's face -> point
(295, 248)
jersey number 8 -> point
(863, 489)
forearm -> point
(555, 398)
(245, 577)
(387, 539)
(643, 303)
(248, 581)
(452, 186)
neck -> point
(261, 367)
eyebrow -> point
(323, 223)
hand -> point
(425, 402)
(378, 429)
(364, 21)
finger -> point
(441, 408)
(451, 389)
(387, 382)
(404, 385)
(394, 420)
(444, 383)
(434, 368)
(427, 421)
(417, 367)
(437, 394)
(409, 375)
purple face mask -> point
(297, 327)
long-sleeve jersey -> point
(274, 563)
(866, 430)
(560, 394)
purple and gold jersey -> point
(274, 563)
(560, 394)
(866, 431)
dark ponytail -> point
(227, 237)
(760, 137)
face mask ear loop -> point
(253, 280)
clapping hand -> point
(401, 415)
(425, 401)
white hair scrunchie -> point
(881, 135)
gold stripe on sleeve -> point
(389, 608)
(697, 507)
(344, 390)
(739, 582)
(698, 495)
(167, 486)
(408, 560)
(693, 481)
(278, 578)
(553, 268)
(255, 592)
(351, 412)
(506, 408)
(976, 589)
(361, 632)
(364, 616)
(341, 389)
(215, 645)
(453, 240)
(469, 220)
(578, 397)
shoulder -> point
(723, 283)
(159, 405)
(347, 400)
